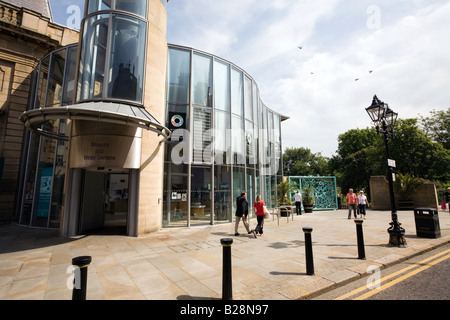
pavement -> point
(186, 263)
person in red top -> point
(351, 201)
(259, 211)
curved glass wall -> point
(225, 140)
(112, 58)
(42, 188)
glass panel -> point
(268, 192)
(237, 101)
(238, 184)
(248, 95)
(58, 181)
(133, 6)
(250, 144)
(237, 143)
(97, 5)
(251, 192)
(55, 82)
(127, 58)
(30, 180)
(221, 86)
(175, 201)
(44, 181)
(222, 137)
(202, 80)
(178, 76)
(200, 195)
(42, 84)
(69, 75)
(92, 63)
(222, 194)
(202, 136)
(177, 147)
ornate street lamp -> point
(384, 120)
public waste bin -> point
(427, 223)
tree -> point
(437, 127)
(302, 162)
(415, 153)
(357, 159)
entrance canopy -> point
(109, 112)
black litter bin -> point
(427, 223)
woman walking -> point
(259, 211)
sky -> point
(350, 51)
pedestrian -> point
(242, 213)
(447, 198)
(351, 201)
(362, 204)
(298, 202)
(260, 209)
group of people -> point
(242, 213)
(357, 203)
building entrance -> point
(104, 207)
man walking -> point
(298, 202)
(351, 201)
(242, 212)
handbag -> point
(266, 213)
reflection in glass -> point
(237, 141)
(237, 86)
(127, 58)
(222, 137)
(221, 86)
(248, 95)
(200, 195)
(138, 7)
(222, 194)
(92, 62)
(69, 75)
(238, 184)
(178, 76)
(42, 82)
(55, 82)
(175, 198)
(202, 80)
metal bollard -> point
(79, 291)
(359, 233)
(227, 287)
(308, 251)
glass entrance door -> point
(201, 195)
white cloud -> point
(407, 52)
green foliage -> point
(283, 189)
(406, 185)
(308, 196)
(302, 162)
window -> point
(202, 80)
(178, 76)
(237, 100)
(221, 86)
(121, 76)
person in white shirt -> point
(298, 202)
(362, 203)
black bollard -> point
(309, 251)
(359, 234)
(80, 282)
(227, 287)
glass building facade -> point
(88, 155)
(224, 140)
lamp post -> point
(384, 120)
